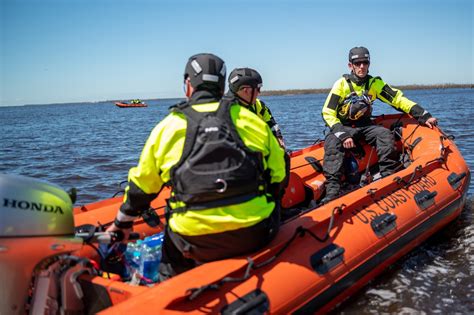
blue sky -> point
(55, 51)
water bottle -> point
(352, 170)
(150, 261)
(151, 256)
(154, 240)
(133, 256)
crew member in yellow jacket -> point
(224, 166)
(347, 112)
(245, 85)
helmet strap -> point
(188, 88)
(254, 93)
(244, 101)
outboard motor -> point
(36, 223)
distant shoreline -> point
(284, 92)
(401, 87)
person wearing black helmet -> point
(347, 112)
(245, 85)
(223, 165)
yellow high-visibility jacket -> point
(376, 88)
(163, 150)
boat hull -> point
(128, 105)
(323, 253)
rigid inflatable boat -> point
(322, 254)
(130, 105)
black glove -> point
(420, 114)
(343, 132)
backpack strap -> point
(369, 82)
(224, 105)
(193, 119)
(178, 105)
(348, 80)
(223, 113)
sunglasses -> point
(249, 87)
(359, 63)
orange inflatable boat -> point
(130, 105)
(323, 253)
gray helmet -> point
(206, 71)
(244, 76)
(359, 54)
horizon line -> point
(279, 93)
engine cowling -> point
(36, 223)
(31, 207)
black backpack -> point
(216, 168)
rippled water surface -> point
(92, 146)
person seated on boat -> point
(245, 85)
(347, 112)
(136, 101)
(224, 167)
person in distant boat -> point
(224, 166)
(245, 85)
(347, 112)
(136, 101)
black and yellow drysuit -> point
(262, 111)
(211, 233)
(334, 114)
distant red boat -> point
(126, 105)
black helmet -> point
(205, 71)
(244, 76)
(358, 107)
(359, 54)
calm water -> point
(92, 146)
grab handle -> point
(327, 258)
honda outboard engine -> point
(36, 222)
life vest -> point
(355, 108)
(216, 168)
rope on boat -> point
(365, 178)
(122, 190)
(409, 136)
(195, 292)
(117, 193)
(443, 150)
(399, 180)
(303, 165)
(445, 135)
(441, 159)
(300, 231)
(317, 141)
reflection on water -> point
(92, 146)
